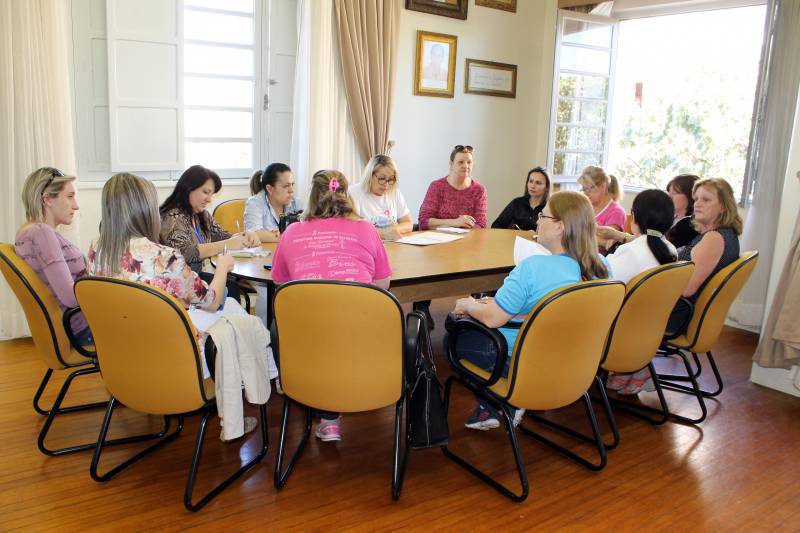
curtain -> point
(769, 151)
(322, 134)
(36, 128)
(779, 346)
(368, 38)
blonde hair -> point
(327, 201)
(129, 210)
(377, 162)
(575, 211)
(729, 218)
(45, 181)
(596, 176)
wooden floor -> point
(740, 470)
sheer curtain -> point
(322, 134)
(769, 151)
(36, 129)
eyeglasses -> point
(542, 215)
(587, 190)
(463, 148)
(384, 181)
(54, 173)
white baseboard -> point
(776, 378)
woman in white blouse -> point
(378, 200)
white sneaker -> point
(518, 414)
(278, 389)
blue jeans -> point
(84, 337)
(478, 349)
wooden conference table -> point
(479, 261)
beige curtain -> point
(36, 125)
(780, 341)
(368, 38)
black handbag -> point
(428, 421)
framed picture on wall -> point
(505, 5)
(435, 65)
(490, 78)
(456, 9)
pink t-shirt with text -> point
(613, 215)
(331, 248)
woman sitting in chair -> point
(332, 242)
(272, 200)
(567, 229)
(605, 193)
(50, 200)
(523, 212)
(377, 199)
(717, 219)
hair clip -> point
(333, 185)
(655, 233)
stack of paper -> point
(256, 251)
(523, 248)
(426, 238)
(450, 229)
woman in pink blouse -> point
(50, 200)
(604, 192)
(332, 242)
(128, 246)
(456, 199)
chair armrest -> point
(461, 325)
(66, 318)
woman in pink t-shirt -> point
(332, 242)
(604, 192)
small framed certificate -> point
(490, 78)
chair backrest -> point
(44, 315)
(228, 213)
(628, 222)
(340, 345)
(558, 350)
(639, 327)
(711, 307)
(146, 345)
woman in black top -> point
(523, 212)
(682, 231)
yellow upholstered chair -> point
(230, 213)
(150, 362)
(639, 328)
(710, 310)
(341, 361)
(553, 364)
(50, 330)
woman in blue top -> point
(273, 198)
(567, 229)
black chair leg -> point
(198, 449)
(282, 475)
(668, 380)
(596, 440)
(57, 410)
(399, 464)
(523, 478)
(101, 443)
(71, 409)
(612, 421)
(643, 411)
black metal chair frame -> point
(481, 388)
(411, 332)
(207, 410)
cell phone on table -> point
(268, 266)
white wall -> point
(509, 135)
(790, 206)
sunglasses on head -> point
(463, 148)
(54, 173)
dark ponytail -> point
(255, 182)
(269, 176)
(653, 212)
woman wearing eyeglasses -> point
(378, 200)
(604, 192)
(456, 199)
(50, 200)
(523, 212)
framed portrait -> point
(505, 5)
(490, 78)
(435, 66)
(456, 9)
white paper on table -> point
(451, 229)
(426, 238)
(255, 251)
(523, 248)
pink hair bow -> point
(333, 185)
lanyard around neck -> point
(197, 230)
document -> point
(523, 248)
(450, 229)
(426, 238)
(255, 251)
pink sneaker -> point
(329, 430)
(617, 381)
(641, 381)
